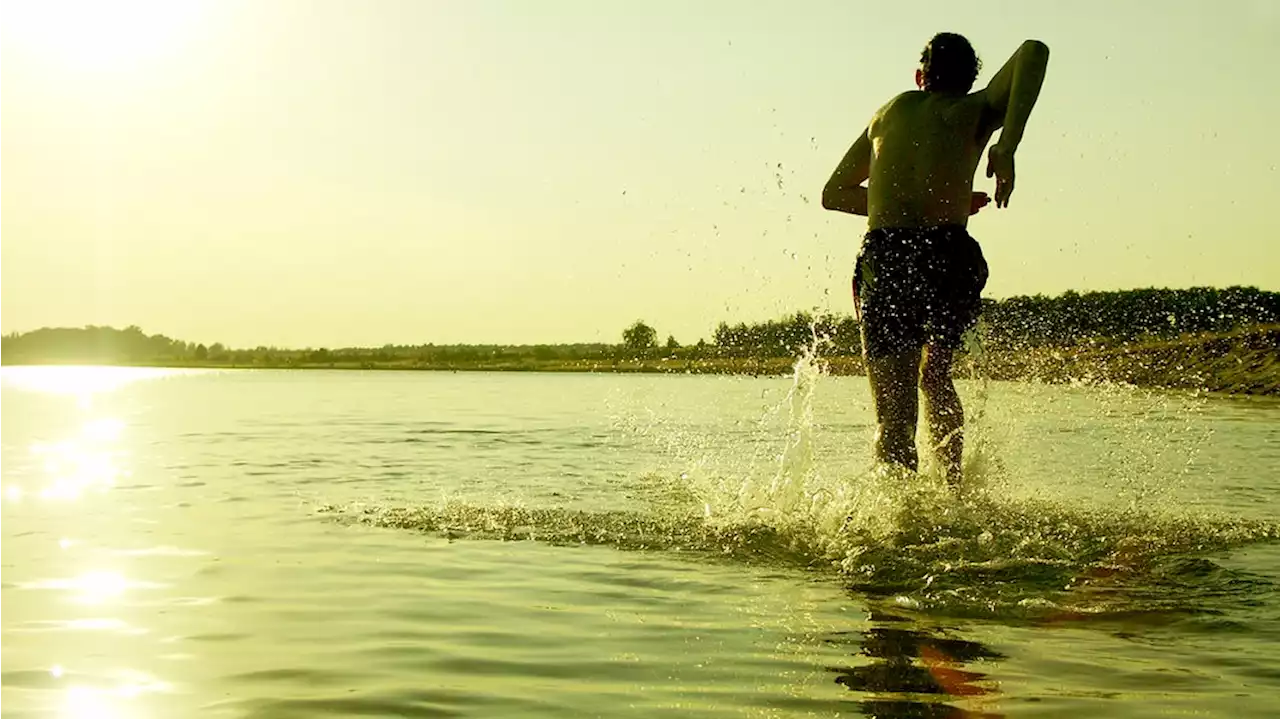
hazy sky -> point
(315, 172)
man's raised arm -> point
(1013, 91)
(1010, 96)
(844, 191)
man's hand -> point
(979, 201)
(1000, 166)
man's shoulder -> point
(930, 101)
(978, 97)
(896, 102)
(903, 97)
(914, 102)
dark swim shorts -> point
(917, 286)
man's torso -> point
(925, 149)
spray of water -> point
(906, 537)
(982, 549)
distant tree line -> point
(787, 337)
(1125, 316)
(1010, 324)
(1098, 318)
(97, 344)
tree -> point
(202, 353)
(671, 343)
(639, 336)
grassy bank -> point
(1241, 362)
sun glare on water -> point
(89, 461)
(81, 381)
(88, 702)
(101, 35)
(79, 465)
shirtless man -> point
(919, 274)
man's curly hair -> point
(949, 64)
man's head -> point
(948, 64)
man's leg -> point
(943, 410)
(893, 390)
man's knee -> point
(896, 429)
(935, 371)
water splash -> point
(901, 536)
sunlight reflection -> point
(101, 624)
(78, 465)
(94, 624)
(88, 460)
(86, 702)
(80, 380)
(82, 702)
(106, 429)
(97, 587)
(93, 587)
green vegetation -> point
(1111, 318)
(639, 337)
(1220, 339)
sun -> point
(100, 35)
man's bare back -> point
(925, 148)
(919, 275)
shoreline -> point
(1241, 363)
(1246, 362)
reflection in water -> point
(80, 381)
(84, 461)
(97, 587)
(116, 695)
(61, 469)
(102, 430)
(87, 703)
(908, 661)
(84, 702)
(92, 587)
(102, 624)
(89, 460)
(75, 466)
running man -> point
(919, 274)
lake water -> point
(301, 544)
